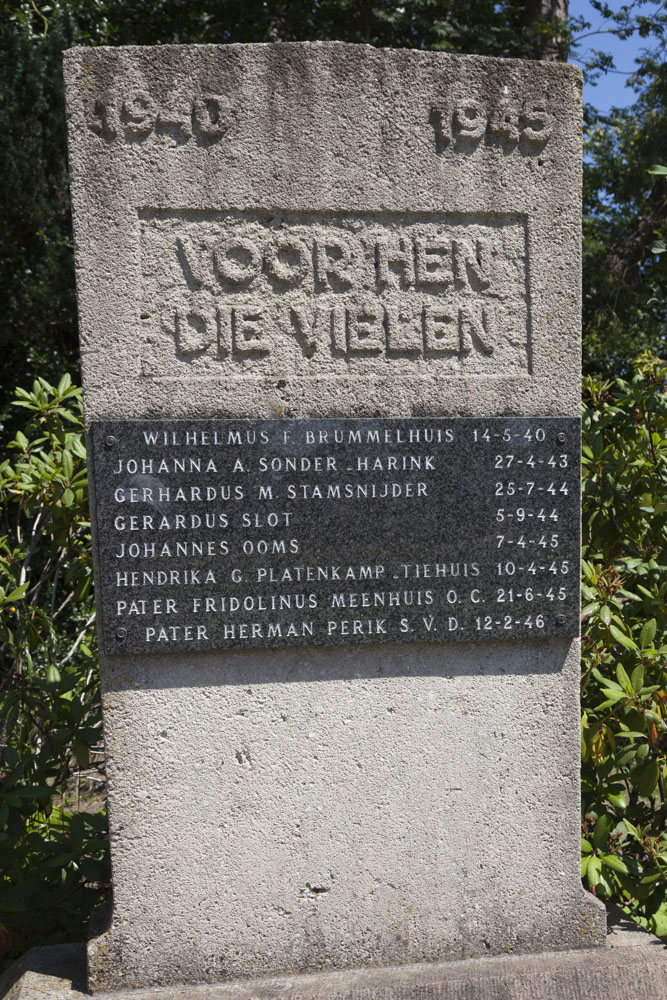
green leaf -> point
(609, 702)
(586, 847)
(93, 871)
(68, 464)
(623, 639)
(618, 802)
(649, 778)
(658, 921)
(68, 498)
(615, 863)
(647, 635)
(586, 567)
(604, 888)
(18, 593)
(658, 169)
(76, 832)
(52, 674)
(35, 791)
(637, 677)
(82, 755)
(593, 870)
(600, 836)
(606, 681)
(623, 678)
(613, 696)
(650, 879)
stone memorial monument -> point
(279, 250)
(329, 301)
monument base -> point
(633, 965)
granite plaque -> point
(231, 534)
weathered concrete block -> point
(635, 965)
(313, 230)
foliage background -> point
(624, 642)
(52, 821)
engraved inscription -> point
(465, 123)
(251, 291)
(526, 126)
(217, 534)
(205, 118)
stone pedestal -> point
(633, 965)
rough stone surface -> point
(635, 966)
(239, 212)
(331, 142)
(53, 971)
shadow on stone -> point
(328, 664)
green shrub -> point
(624, 642)
(52, 829)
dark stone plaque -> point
(237, 534)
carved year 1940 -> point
(204, 117)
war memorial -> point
(329, 304)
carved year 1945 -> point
(526, 127)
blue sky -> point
(611, 89)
